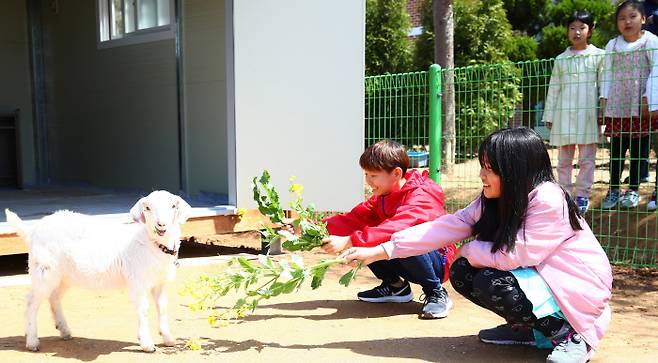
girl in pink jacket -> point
(533, 260)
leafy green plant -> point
(269, 277)
(308, 220)
(246, 278)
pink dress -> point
(572, 263)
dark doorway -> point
(9, 167)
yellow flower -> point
(297, 189)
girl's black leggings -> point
(499, 291)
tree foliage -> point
(522, 48)
(527, 16)
(483, 36)
(554, 36)
(388, 48)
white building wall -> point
(299, 104)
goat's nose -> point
(160, 224)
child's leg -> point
(644, 163)
(565, 166)
(654, 147)
(639, 147)
(461, 279)
(618, 147)
(587, 164)
(425, 270)
(499, 291)
(386, 270)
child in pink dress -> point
(534, 261)
(629, 101)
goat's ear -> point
(184, 210)
(137, 211)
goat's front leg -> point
(140, 299)
(160, 299)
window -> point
(134, 21)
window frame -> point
(103, 31)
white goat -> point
(71, 249)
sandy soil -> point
(325, 325)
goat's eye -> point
(147, 208)
(173, 206)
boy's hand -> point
(366, 254)
(336, 244)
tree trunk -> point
(444, 56)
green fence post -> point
(435, 122)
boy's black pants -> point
(425, 270)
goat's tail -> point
(17, 223)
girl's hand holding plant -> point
(364, 255)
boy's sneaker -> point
(583, 205)
(630, 199)
(611, 199)
(387, 293)
(508, 334)
(651, 206)
(569, 347)
(436, 304)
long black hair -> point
(519, 157)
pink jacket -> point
(572, 263)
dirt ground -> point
(325, 325)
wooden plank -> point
(251, 220)
(11, 244)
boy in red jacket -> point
(400, 199)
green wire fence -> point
(407, 108)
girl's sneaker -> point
(611, 199)
(651, 206)
(583, 205)
(508, 334)
(569, 347)
(630, 199)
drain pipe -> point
(183, 180)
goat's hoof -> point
(33, 347)
(148, 348)
(66, 336)
(168, 340)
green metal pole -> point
(435, 122)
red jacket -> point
(374, 221)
